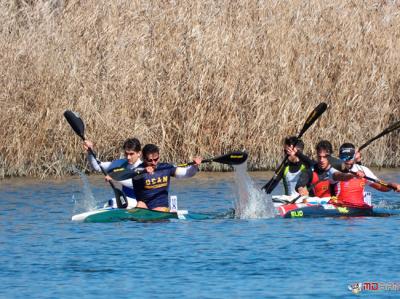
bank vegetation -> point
(196, 77)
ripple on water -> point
(45, 255)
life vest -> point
(321, 188)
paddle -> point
(232, 158)
(315, 114)
(389, 129)
(382, 183)
(78, 126)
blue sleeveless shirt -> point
(153, 189)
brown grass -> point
(196, 77)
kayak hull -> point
(319, 207)
(135, 214)
(315, 208)
(328, 210)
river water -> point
(45, 255)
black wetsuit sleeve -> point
(304, 179)
(336, 163)
(307, 161)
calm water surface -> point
(45, 255)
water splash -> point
(251, 201)
(85, 200)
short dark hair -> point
(293, 140)
(150, 149)
(324, 145)
(132, 144)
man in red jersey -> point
(350, 193)
(319, 180)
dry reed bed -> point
(196, 77)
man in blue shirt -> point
(152, 187)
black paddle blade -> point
(270, 185)
(315, 114)
(120, 198)
(76, 123)
(233, 158)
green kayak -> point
(110, 214)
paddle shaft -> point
(79, 128)
(315, 114)
(382, 183)
(389, 129)
(232, 158)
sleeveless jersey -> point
(290, 179)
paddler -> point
(297, 163)
(132, 153)
(152, 187)
(321, 177)
(351, 193)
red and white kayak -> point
(319, 207)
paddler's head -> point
(132, 149)
(290, 144)
(347, 153)
(324, 150)
(151, 155)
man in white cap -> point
(350, 193)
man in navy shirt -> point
(152, 187)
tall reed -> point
(196, 77)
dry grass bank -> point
(196, 77)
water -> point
(251, 202)
(45, 255)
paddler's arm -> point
(188, 171)
(342, 176)
(307, 161)
(92, 160)
(375, 182)
(384, 187)
(304, 181)
(358, 157)
(336, 163)
(379, 184)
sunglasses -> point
(346, 158)
(152, 160)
